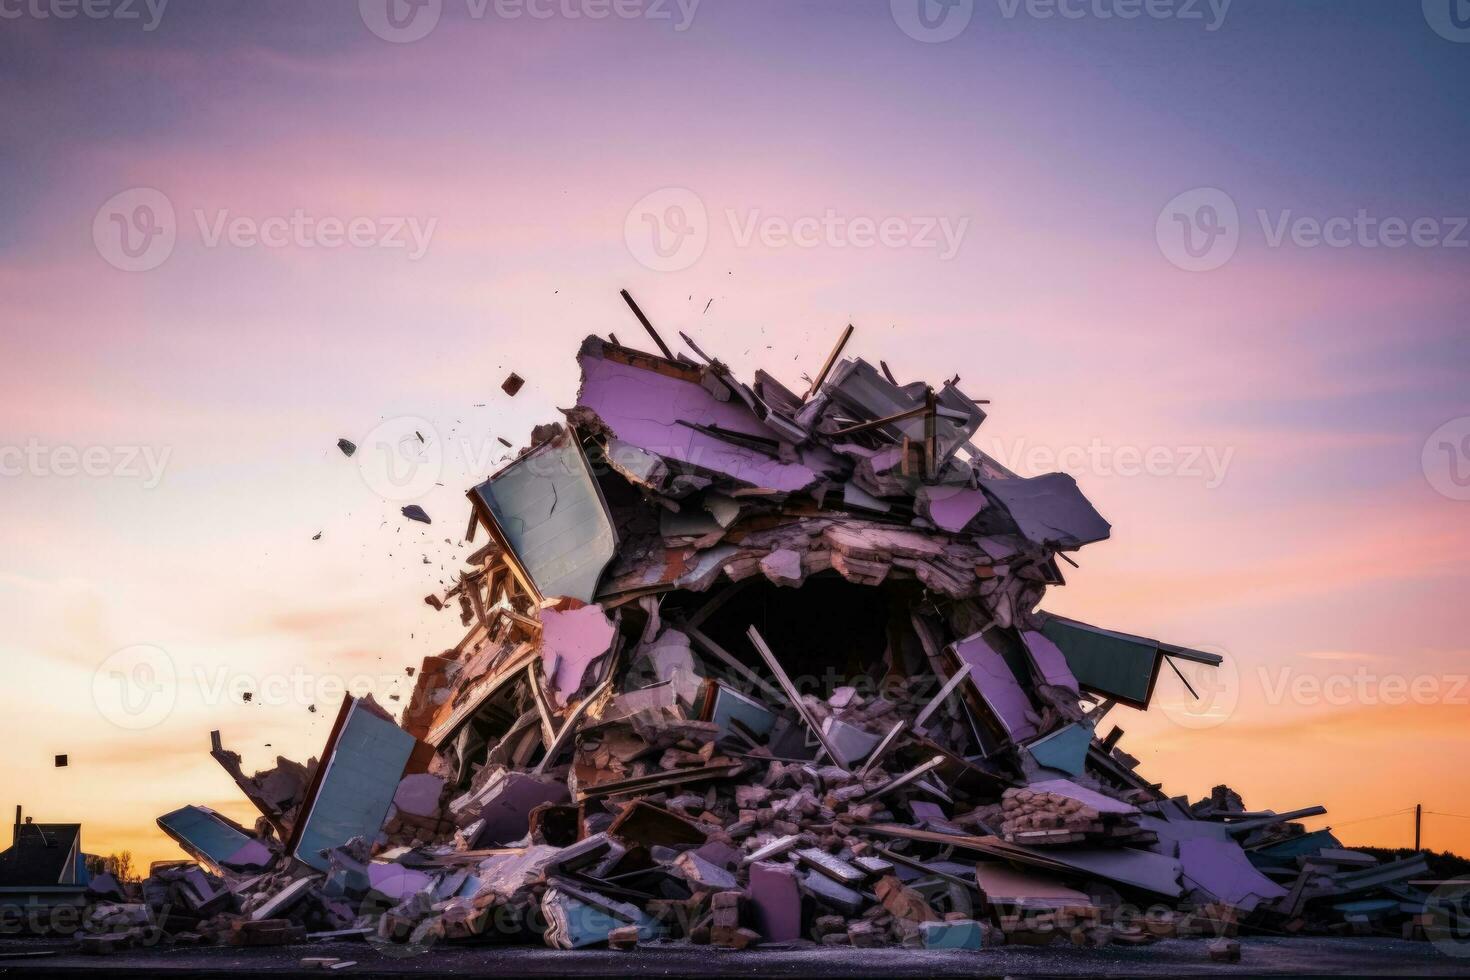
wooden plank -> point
(729, 660)
(792, 695)
(831, 360)
(633, 305)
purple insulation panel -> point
(997, 686)
(645, 408)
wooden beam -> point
(877, 423)
(633, 305)
(793, 696)
(831, 360)
(729, 660)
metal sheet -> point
(1118, 665)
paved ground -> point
(1260, 956)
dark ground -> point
(1176, 957)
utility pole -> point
(1418, 822)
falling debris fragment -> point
(317, 536)
(512, 384)
(347, 446)
(749, 666)
(60, 762)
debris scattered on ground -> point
(748, 666)
(416, 513)
(347, 446)
(512, 384)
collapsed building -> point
(749, 666)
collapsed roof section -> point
(671, 474)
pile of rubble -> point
(746, 666)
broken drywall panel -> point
(648, 408)
(949, 508)
(548, 511)
(1049, 510)
(727, 706)
(205, 835)
(775, 899)
(1049, 662)
(571, 640)
(359, 774)
(1064, 749)
(997, 686)
(506, 805)
(1004, 885)
(1221, 870)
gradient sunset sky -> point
(1305, 403)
